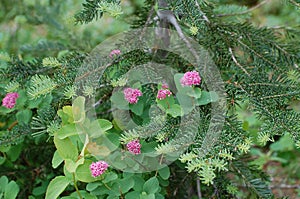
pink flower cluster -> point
(114, 53)
(190, 78)
(9, 100)
(134, 147)
(131, 95)
(98, 168)
(163, 93)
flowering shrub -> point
(98, 168)
(150, 113)
(9, 100)
(131, 95)
(190, 78)
(163, 93)
(134, 147)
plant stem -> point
(106, 186)
(75, 185)
(199, 189)
(12, 125)
(160, 161)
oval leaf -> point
(151, 186)
(11, 190)
(66, 149)
(56, 187)
(56, 160)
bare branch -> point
(167, 15)
(199, 189)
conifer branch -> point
(280, 95)
(202, 13)
(237, 63)
(257, 54)
(294, 3)
(246, 11)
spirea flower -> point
(163, 93)
(9, 100)
(114, 53)
(131, 95)
(134, 147)
(98, 168)
(190, 78)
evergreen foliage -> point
(259, 66)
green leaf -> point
(67, 131)
(133, 195)
(138, 183)
(137, 108)
(56, 187)
(66, 149)
(111, 196)
(112, 141)
(14, 152)
(46, 101)
(148, 147)
(40, 102)
(163, 183)
(164, 173)
(84, 174)
(105, 125)
(149, 196)
(3, 183)
(66, 114)
(40, 190)
(151, 186)
(166, 103)
(71, 165)
(78, 109)
(2, 160)
(175, 110)
(67, 173)
(98, 127)
(285, 143)
(110, 177)
(187, 103)
(92, 186)
(84, 194)
(56, 160)
(196, 92)
(118, 101)
(11, 190)
(21, 100)
(207, 97)
(34, 103)
(123, 185)
(24, 116)
(159, 196)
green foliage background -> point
(31, 30)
